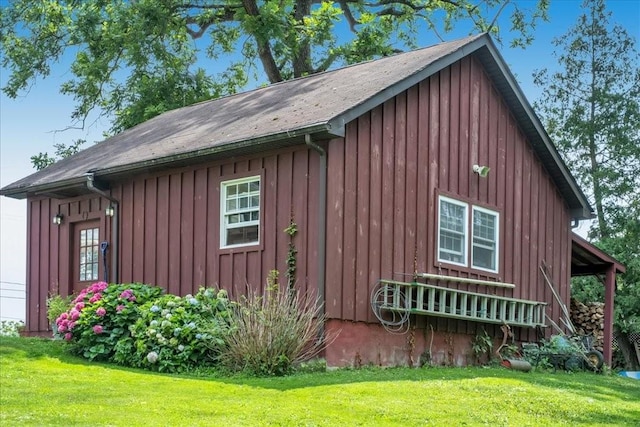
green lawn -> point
(41, 385)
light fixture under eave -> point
(483, 171)
(110, 211)
(57, 219)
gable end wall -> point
(385, 177)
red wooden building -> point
(420, 183)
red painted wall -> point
(170, 227)
(384, 178)
(172, 237)
(384, 182)
(48, 249)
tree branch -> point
(302, 55)
(264, 49)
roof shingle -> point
(322, 102)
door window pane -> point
(89, 254)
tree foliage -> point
(591, 107)
(131, 60)
(42, 160)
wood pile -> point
(588, 319)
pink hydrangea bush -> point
(100, 316)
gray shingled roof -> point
(265, 117)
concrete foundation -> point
(360, 344)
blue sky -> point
(28, 125)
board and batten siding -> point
(385, 176)
(173, 237)
(170, 230)
(49, 266)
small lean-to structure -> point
(428, 171)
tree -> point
(42, 160)
(135, 59)
(591, 108)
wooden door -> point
(86, 257)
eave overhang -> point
(588, 260)
(77, 186)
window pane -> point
(452, 238)
(236, 236)
(483, 225)
(95, 271)
(241, 212)
(89, 255)
(452, 217)
(452, 242)
(484, 240)
(484, 258)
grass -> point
(41, 385)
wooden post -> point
(609, 295)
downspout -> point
(322, 218)
(114, 225)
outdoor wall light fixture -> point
(483, 171)
(110, 211)
(57, 219)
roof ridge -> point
(462, 41)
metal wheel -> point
(594, 360)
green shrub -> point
(554, 352)
(56, 305)
(482, 345)
(101, 315)
(11, 328)
(175, 334)
(271, 333)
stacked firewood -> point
(588, 319)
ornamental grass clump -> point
(273, 332)
(100, 317)
(175, 334)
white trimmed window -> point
(240, 212)
(454, 239)
(89, 249)
(452, 233)
(484, 248)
